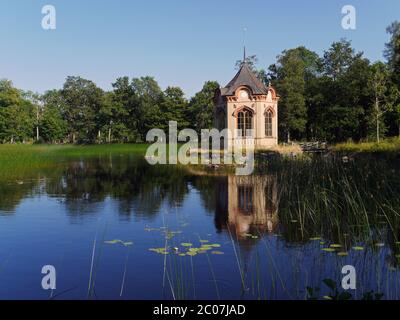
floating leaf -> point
(358, 248)
(315, 238)
(335, 245)
(379, 245)
(342, 254)
(159, 250)
(217, 252)
(186, 244)
(205, 248)
(328, 298)
(191, 253)
(328, 249)
(294, 221)
(113, 241)
(170, 234)
(322, 242)
(116, 241)
(215, 245)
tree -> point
(174, 107)
(392, 54)
(149, 96)
(392, 50)
(112, 119)
(379, 86)
(16, 114)
(125, 97)
(250, 60)
(81, 103)
(338, 58)
(201, 106)
(54, 128)
(293, 69)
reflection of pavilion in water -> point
(247, 205)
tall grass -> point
(391, 145)
(18, 160)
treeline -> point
(81, 112)
(335, 97)
(340, 95)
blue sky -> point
(179, 42)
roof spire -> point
(244, 44)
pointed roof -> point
(244, 77)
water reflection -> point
(280, 222)
(247, 205)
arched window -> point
(245, 123)
(268, 123)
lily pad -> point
(342, 254)
(335, 245)
(112, 241)
(328, 249)
(117, 241)
(204, 248)
(217, 252)
(159, 250)
(358, 248)
(215, 245)
(315, 238)
(186, 244)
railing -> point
(314, 147)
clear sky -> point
(179, 42)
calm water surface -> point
(68, 216)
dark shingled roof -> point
(244, 77)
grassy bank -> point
(390, 146)
(19, 158)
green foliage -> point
(391, 145)
(16, 114)
(200, 113)
(82, 101)
(174, 107)
(294, 68)
(337, 97)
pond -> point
(115, 227)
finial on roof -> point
(244, 44)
